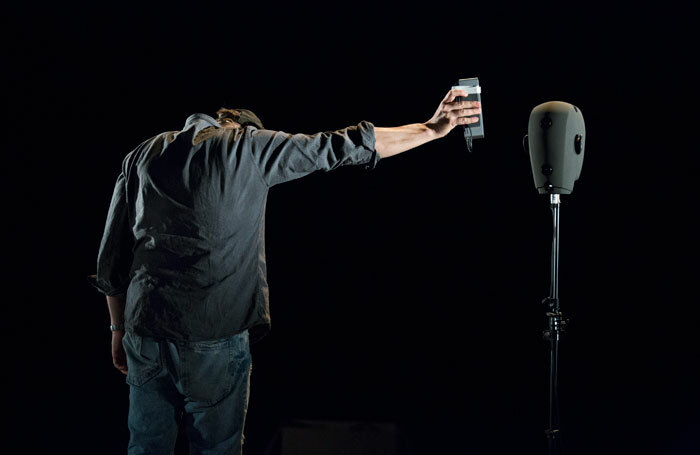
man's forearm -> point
(116, 309)
(392, 141)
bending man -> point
(182, 261)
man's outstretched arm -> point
(449, 114)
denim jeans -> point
(206, 383)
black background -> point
(408, 294)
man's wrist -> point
(118, 327)
(116, 306)
(433, 131)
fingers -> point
(457, 110)
(467, 120)
(454, 93)
(118, 353)
(463, 112)
(463, 105)
(120, 366)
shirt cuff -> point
(368, 140)
(106, 290)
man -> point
(182, 261)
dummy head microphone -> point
(555, 141)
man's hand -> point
(116, 306)
(118, 354)
(451, 113)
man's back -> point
(185, 235)
(196, 204)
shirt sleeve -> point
(116, 249)
(282, 157)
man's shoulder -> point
(208, 133)
(146, 146)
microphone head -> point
(556, 140)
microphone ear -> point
(526, 145)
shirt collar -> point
(200, 121)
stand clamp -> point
(557, 323)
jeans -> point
(206, 383)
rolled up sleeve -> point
(282, 157)
(116, 249)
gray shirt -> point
(184, 237)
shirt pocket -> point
(142, 357)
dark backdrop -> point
(409, 294)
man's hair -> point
(242, 116)
(227, 113)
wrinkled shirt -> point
(185, 233)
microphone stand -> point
(555, 328)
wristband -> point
(117, 328)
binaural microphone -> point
(555, 141)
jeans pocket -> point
(213, 368)
(142, 358)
